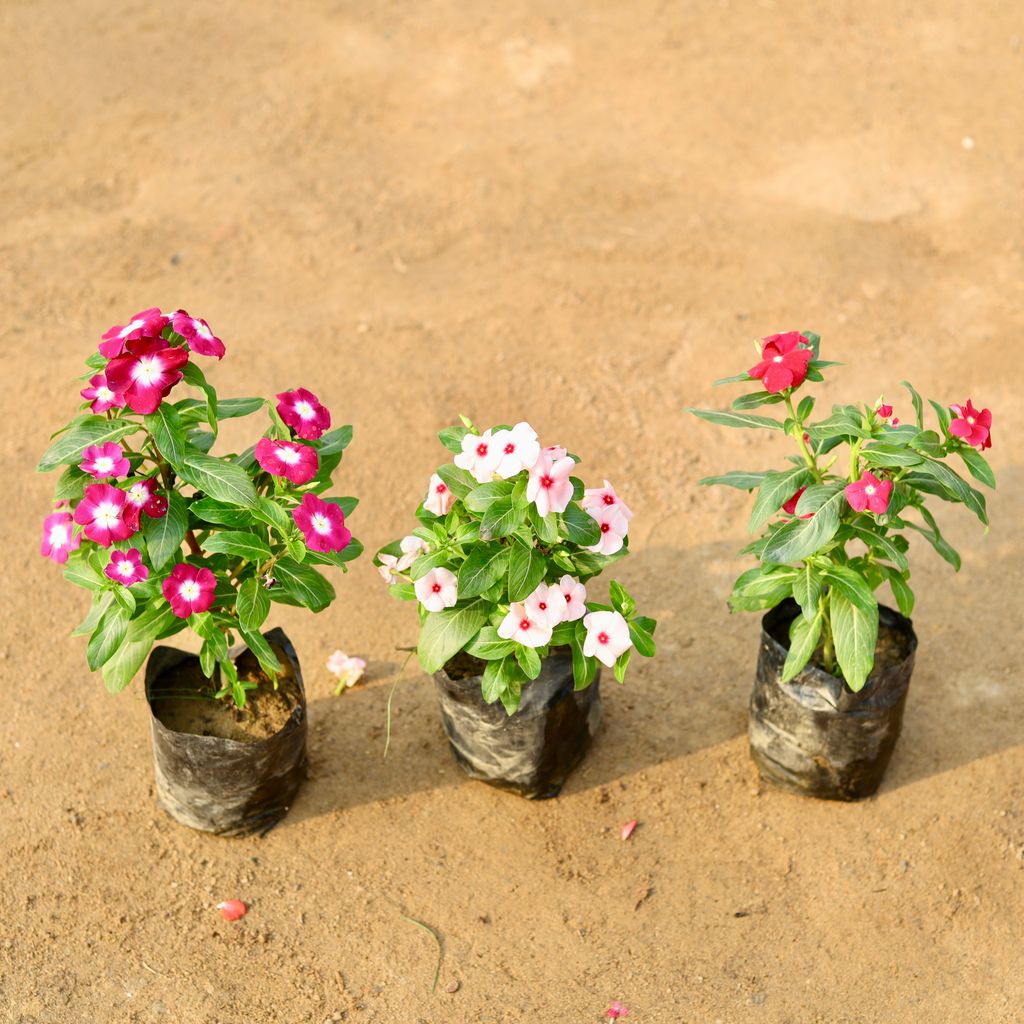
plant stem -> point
(809, 458)
(828, 653)
(855, 460)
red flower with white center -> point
(972, 426)
(101, 395)
(146, 373)
(614, 526)
(607, 637)
(439, 499)
(783, 362)
(102, 514)
(790, 506)
(549, 486)
(296, 462)
(479, 456)
(197, 333)
(575, 595)
(322, 524)
(520, 626)
(126, 568)
(438, 590)
(59, 538)
(546, 605)
(189, 590)
(869, 494)
(146, 324)
(104, 460)
(302, 411)
(599, 499)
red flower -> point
(58, 537)
(617, 1011)
(100, 393)
(189, 590)
(790, 506)
(102, 513)
(322, 524)
(302, 411)
(869, 494)
(147, 324)
(783, 363)
(972, 426)
(296, 462)
(146, 373)
(197, 333)
(126, 568)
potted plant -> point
(166, 535)
(500, 566)
(834, 665)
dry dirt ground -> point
(578, 214)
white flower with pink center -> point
(479, 456)
(556, 451)
(517, 449)
(607, 637)
(549, 487)
(574, 594)
(104, 460)
(546, 605)
(349, 670)
(439, 499)
(614, 526)
(518, 625)
(392, 565)
(596, 499)
(437, 590)
(414, 546)
(59, 538)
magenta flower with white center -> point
(322, 524)
(575, 595)
(101, 396)
(295, 462)
(197, 333)
(546, 605)
(102, 514)
(437, 590)
(439, 499)
(189, 590)
(549, 487)
(479, 456)
(520, 627)
(607, 637)
(103, 461)
(614, 527)
(146, 324)
(301, 410)
(972, 425)
(784, 359)
(516, 449)
(869, 494)
(59, 538)
(126, 568)
(596, 499)
(146, 372)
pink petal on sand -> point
(232, 910)
(628, 828)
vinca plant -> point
(508, 544)
(167, 535)
(834, 522)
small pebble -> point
(452, 987)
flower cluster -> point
(822, 508)
(508, 540)
(166, 534)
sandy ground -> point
(579, 214)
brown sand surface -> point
(578, 214)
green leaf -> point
(584, 669)
(739, 479)
(107, 637)
(978, 466)
(451, 438)
(334, 442)
(169, 433)
(232, 408)
(761, 588)
(101, 602)
(755, 400)
(210, 511)
(194, 376)
(852, 586)
(68, 448)
(900, 590)
(579, 526)
(529, 661)
(935, 538)
(253, 604)
(739, 378)
(800, 538)
(844, 422)
(481, 497)
(486, 564)
(562, 634)
(82, 574)
(854, 633)
(803, 641)
(807, 589)
(643, 639)
(459, 482)
(119, 671)
(774, 492)
(164, 536)
(243, 544)
(217, 478)
(621, 664)
(955, 485)
(446, 633)
(735, 419)
(488, 646)
(879, 541)
(890, 455)
(805, 408)
(918, 404)
(265, 655)
(269, 512)
(72, 484)
(526, 567)
(492, 682)
(428, 562)
(503, 517)
(298, 583)
(942, 415)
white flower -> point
(519, 626)
(607, 637)
(348, 670)
(517, 449)
(437, 590)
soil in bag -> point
(220, 768)
(814, 735)
(531, 752)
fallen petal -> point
(628, 828)
(232, 910)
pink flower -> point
(146, 373)
(575, 595)
(348, 670)
(389, 568)
(437, 590)
(322, 524)
(790, 506)
(439, 499)
(884, 414)
(517, 449)
(601, 498)
(549, 487)
(296, 462)
(390, 565)
(104, 460)
(101, 395)
(126, 567)
(628, 829)
(614, 526)
(783, 362)
(972, 426)
(146, 324)
(197, 333)
(102, 513)
(141, 497)
(479, 456)
(520, 626)
(617, 1010)
(869, 494)
(556, 451)
(232, 910)
(302, 411)
(189, 590)
(607, 637)
(413, 546)
(546, 605)
(58, 537)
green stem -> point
(855, 460)
(828, 653)
(812, 462)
